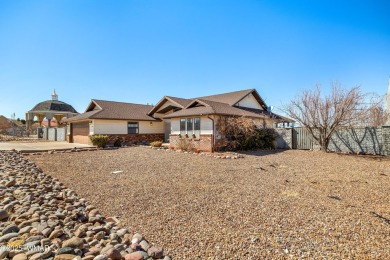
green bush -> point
(262, 138)
(118, 142)
(156, 144)
(99, 140)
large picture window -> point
(132, 127)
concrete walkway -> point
(40, 146)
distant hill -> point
(5, 123)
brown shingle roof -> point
(182, 101)
(268, 114)
(83, 116)
(115, 110)
(230, 98)
(212, 107)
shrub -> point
(99, 140)
(260, 139)
(118, 142)
(184, 144)
(242, 134)
(156, 144)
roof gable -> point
(197, 103)
(178, 102)
(93, 106)
(232, 98)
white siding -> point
(250, 102)
(206, 126)
(110, 127)
(92, 128)
(120, 127)
(155, 128)
(175, 126)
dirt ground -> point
(276, 204)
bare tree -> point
(376, 114)
(323, 115)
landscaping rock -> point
(48, 221)
(7, 237)
(21, 256)
(4, 253)
(66, 250)
(64, 257)
(156, 252)
(3, 214)
(74, 242)
(10, 229)
(134, 256)
(113, 254)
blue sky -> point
(139, 51)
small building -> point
(49, 109)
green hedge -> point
(99, 140)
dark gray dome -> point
(53, 105)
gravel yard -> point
(290, 203)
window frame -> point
(136, 128)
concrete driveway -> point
(40, 146)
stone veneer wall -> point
(358, 140)
(386, 140)
(284, 138)
(204, 143)
(369, 140)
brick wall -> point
(129, 139)
(204, 143)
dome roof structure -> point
(53, 106)
(50, 109)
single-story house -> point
(172, 119)
(129, 122)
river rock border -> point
(40, 218)
(216, 155)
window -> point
(132, 127)
(182, 127)
(189, 126)
(197, 127)
(182, 124)
(196, 123)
